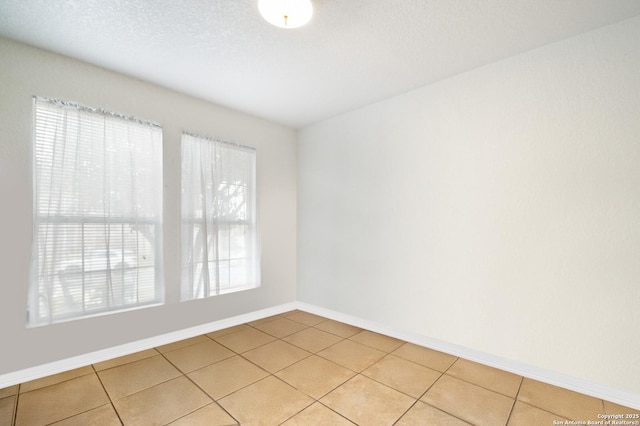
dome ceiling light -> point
(286, 13)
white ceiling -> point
(353, 52)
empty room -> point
(320, 212)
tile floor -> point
(293, 369)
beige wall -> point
(498, 210)
(26, 71)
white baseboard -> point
(21, 376)
(617, 396)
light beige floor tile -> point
(55, 378)
(352, 355)
(211, 415)
(147, 389)
(338, 328)
(162, 403)
(305, 317)
(267, 402)
(281, 327)
(367, 402)
(197, 356)
(317, 415)
(8, 391)
(612, 408)
(136, 376)
(276, 355)
(182, 343)
(378, 341)
(244, 340)
(291, 312)
(222, 378)
(562, 402)
(115, 362)
(402, 375)
(228, 330)
(312, 339)
(469, 402)
(424, 356)
(265, 320)
(422, 414)
(527, 415)
(7, 406)
(102, 416)
(59, 401)
(491, 378)
(315, 376)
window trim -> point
(251, 223)
(37, 289)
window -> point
(97, 212)
(219, 236)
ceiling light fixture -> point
(286, 13)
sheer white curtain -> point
(219, 235)
(97, 212)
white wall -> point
(498, 210)
(26, 71)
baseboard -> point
(617, 396)
(21, 376)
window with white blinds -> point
(219, 235)
(97, 212)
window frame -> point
(41, 217)
(190, 220)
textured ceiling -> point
(353, 52)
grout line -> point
(442, 374)
(182, 347)
(310, 354)
(384, 384)
(448, 413)
(519, 388)
(337, 386)
(342, 339)
(417, 363)
(419, 399)
(127, 363)
(14, 416)
(107, 393)
(185, 375)
(546, 409)
(213, 402)
(406, 411)
(313, 400)
(515, 399)
(244, 387)
(560, 416)
(340, 414)
(57, 383)
(463, 379)
(238, 354)
(452, 364)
